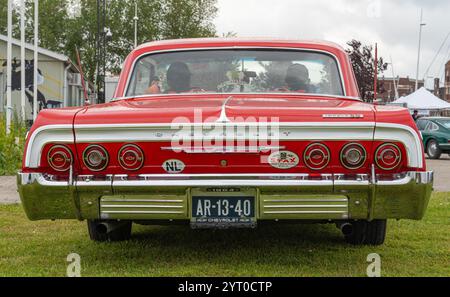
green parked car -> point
(436, 135)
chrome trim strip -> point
(141, 212)
(138, 206)
(417, 177)
(141, 200)
(224, 176)
(351, 182)
(223, 183)
(305, 206)
(239, 94)
(223, 150)
(92, 181)
(306, 212)
(40, 179)
(336, 125)
(306, 200)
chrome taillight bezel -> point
(68, 157)
(346, 149)
(313, 147)
(398, 156)
(139, 153)
(105, 161)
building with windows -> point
(405, 86)
(59, 80)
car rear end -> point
(229, 158)
(338, 171)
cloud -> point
(394, 25)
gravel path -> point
(9, 195)
(8, 190)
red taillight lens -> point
(95, 157)
(353, 156)
(60, 158)
(316, 156)
(131, 157)
(388, 156)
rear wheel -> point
(367, 233)
(109, 230)
(433, 150)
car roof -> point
(235, 41)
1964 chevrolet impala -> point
(228, 133)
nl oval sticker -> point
(173, 166)
(283, 160)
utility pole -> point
(22, 59)
(375, 79)
(394, 79)
(101, 50)
(418, 52)
(36, 59)
(136, 19)
(9, 70)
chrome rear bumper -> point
(222, 180)
(398, 196)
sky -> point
(394, 25)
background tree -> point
(67, 24)
(363, 63)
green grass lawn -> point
(40, 249)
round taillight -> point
(388, 156)
(131, 157)
(316, 156)
(60, 158)
(353, 156)
(95, 157)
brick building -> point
(438, 90)
(405, 86)
(447, 82)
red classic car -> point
(228, 133)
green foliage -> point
(363, 63)
(11, 146)
(67, 24)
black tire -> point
(433, 150)
(367, 233)
(120, 231)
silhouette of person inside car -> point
(179, 78)
(297, 79)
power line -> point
(435, 57)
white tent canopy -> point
(422, 99)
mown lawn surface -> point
(41, 248)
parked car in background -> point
(228, 133)
(436, 135)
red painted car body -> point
(306, 122)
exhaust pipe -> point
(102, 228)
(346, 228)
(106, 228)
